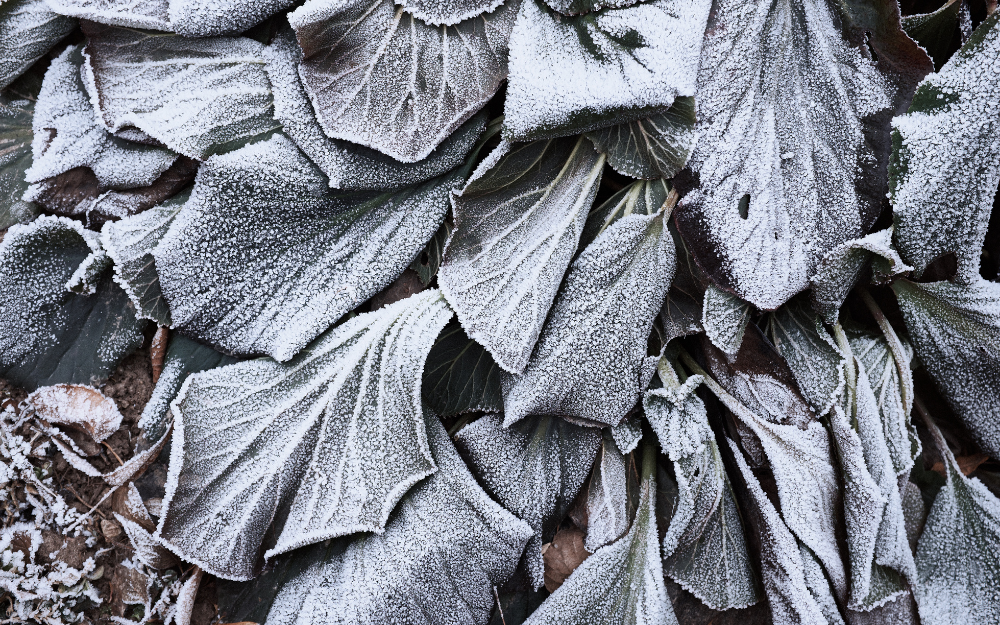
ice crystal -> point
(724, 317)
(28, 29)
(607, 497)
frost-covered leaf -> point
(793, 114)
(183, 358)
(840, 269)
(939, 31)
(151, 14)
(79, 407)
(208, 18)
(28, 29)
(380, 77)
(329, 442)
(627, 435)
(724, 317)
(657, 146)
(758, 388)
(15, 158)
(956, 333)
(590, 362)
(67, 135)
(516, 230)
(130, 243)
(348, 165)
(460, 376)
(448, 12)
(819, 586)
(811, 353)
(946, 158)
(607, 497)
(958, 556)
(534, 468)
(622, 583)
(197, 96)
(445, 548)
(682, 310)
(49, 334)
(642, 57)
(704, 548)
(639, 198)
(781, 567)
(270, 275)
(427, 262)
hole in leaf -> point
(744, 206)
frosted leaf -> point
(87, 276)
(760, 392)
(347, 165)
(725, 317)
(49, 334)
(946, 158)
(657, 146)
(704, 548)
(332, 439)
(28, 29)
(641, 56)
(270, 275)
(622, 583)
(516, 230)
(885, 379)
(448, 12)
(682, 310)
(782, 570)
(130, 243)
(576, 7)
(79, 407)
(792, 115)
(147, 549)
(151, 14)
(627, 435)
(811, 354)
(380, 77)
(534, 468)
(183, 358)
(954, 329)
(444, 549)
(15, 158)
(208, 18)
(840, 269)
(958, 556)
(639, 198)
(460, 376)
(197, 96)
(938, 31)
(607, 497)
(67, 134)
(590, 362)
(428, 261)
(819, 586)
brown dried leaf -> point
(562, 556)
(158, 351)
(77, 406)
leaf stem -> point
(896, 347)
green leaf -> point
(15, 159)
(590, 362)
(622, 582)
(957, 556)
(607, 497)
(444, 549)
(130, 243)
(704, 548)
(682, 311)
(627, 435)
(642, 57)
(534, 468)
(460, 376)
(793, 113)
(956, 333)
(946, 158)
(938, 32)
(724, 317)
(269, 276)
(51, 335)
(199, 97)
(28, 29)
(322, 446)
(347, 165)
(382, 78)
(639, 198)
(657, 146)
(517, 226)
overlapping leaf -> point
(939, 32)
(607, 497)
(590, 362)
(49, 334)
(724, 317)
(534, 468)
(642, 57)
(442, 553)
(448, 12)
(517, 226)
(956, 333)
(638, 198)
(381, 77)
(682, 310)
(316, 254)
(460, 376)
(323, 446)
(15, 158)
(197, 96)
(28, 29)
(791, 147)
(191, 18)
(946, 158)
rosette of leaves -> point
(512, 311)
